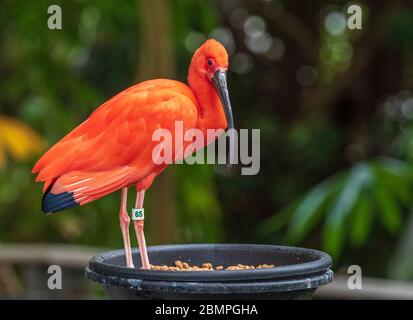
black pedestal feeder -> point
(298, 273)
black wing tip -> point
(57, 202)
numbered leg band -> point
(138, 214)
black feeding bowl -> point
(297, 274)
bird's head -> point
(210, 63)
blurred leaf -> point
(333, 233)
(389, 210)
(397, 178)
(362, 222)
(348, 201)
(310, 209)
(17, 139)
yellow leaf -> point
(18, 140)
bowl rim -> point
(319, 265)
(311, 282)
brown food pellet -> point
(206, 266)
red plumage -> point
(113, 149)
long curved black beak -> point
(219, 80)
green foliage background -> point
(336, 171)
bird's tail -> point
(77, 188)
(56, 202)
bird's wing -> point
(113, 147)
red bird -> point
(112, 149)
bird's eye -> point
(209, 61)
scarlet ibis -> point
(112, 149)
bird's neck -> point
(211, 114)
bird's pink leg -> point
(124, 226)
(138, 224)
